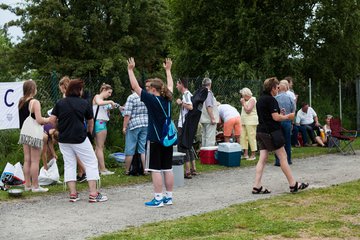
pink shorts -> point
(232, 123)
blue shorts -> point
(100, 125)
(135, 138)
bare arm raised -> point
(169, 80)
(134, 83)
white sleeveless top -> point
(103, 112)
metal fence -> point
(226, 90)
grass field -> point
(327, 213)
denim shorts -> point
(135, 139)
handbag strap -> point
(163, 107)
(96, 114)
(157, 134)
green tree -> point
(331, 52)
(332, 46)
(90, 37)
(6, 73)
(242, 39)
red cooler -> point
(207, 155)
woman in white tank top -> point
(101, 106)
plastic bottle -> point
(108, 106)
(322, 134)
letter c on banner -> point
(5, 97)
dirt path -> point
(53, 217)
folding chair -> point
(341, 138)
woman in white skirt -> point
(69, 114)
(31, 135)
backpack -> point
(136, 167)
(169, 131)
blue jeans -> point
(133, 138)
(286, 127)
(296, 130)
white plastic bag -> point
(50, 176)
(18, 172)
(13, 174)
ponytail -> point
(159, 85)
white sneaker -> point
(106, 172)
(40, 189)
(27, 189)
(251, 158)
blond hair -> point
(160, 87)
(246, 92)
(270, 83)
(105, 87)
(64, 81)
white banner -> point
(10, 94)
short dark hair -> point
(184, 82)
(74, 88)
(303, 104)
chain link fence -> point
(226, 90)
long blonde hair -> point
(29, 89)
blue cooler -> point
(229, 154)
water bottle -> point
(322, 134)
(108, 106)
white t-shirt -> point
(186, 98)
(305, 118)
(227, 112)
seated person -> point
(326, 128)
(231, 119)
(307, 123)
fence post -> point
(340, 104)
(358, 101)
(310, 92)
(54, 87)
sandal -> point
(193, 172)
(298, 186)
(260, 190)
(188, 175)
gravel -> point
(54, 217)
